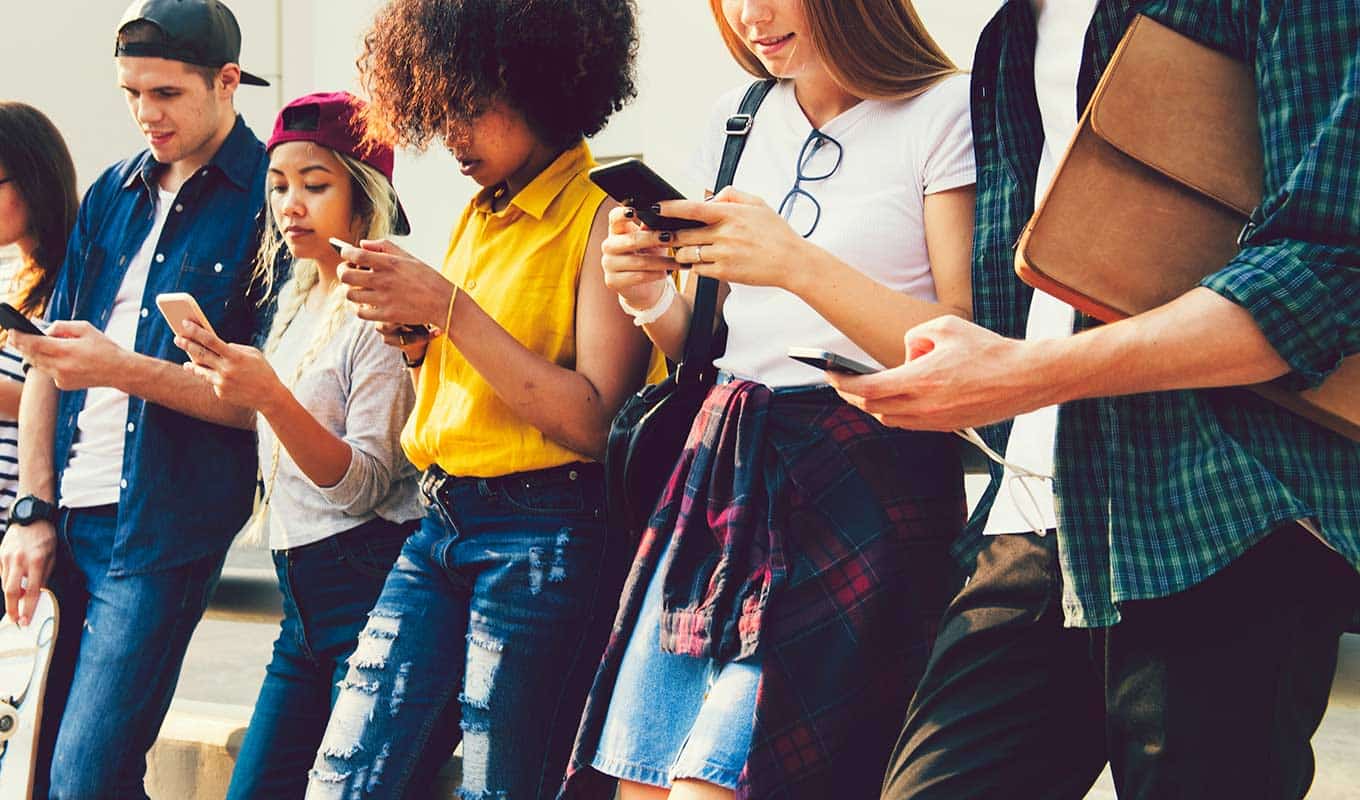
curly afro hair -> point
(431, 66)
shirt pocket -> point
(216, 280)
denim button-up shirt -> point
(186, 485)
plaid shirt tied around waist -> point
(806, 533)
(1156, 492)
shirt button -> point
(179, 206)
(132, 426)
(122, 484)
(217, 267)
(160, 257)
(122, 260)
(472, 284)
(144, 313)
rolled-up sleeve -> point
(380, 399)
(1299, 275)
(1305, 299)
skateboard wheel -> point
(9, 721)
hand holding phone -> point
(12, 319)
(177, 307)
(634, 184)
(828, 361)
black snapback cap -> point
(202, 32)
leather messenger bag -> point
(1157, 190)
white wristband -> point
(646, 316)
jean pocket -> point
(562, 495)
(374, 555)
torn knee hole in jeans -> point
(476, 758)
(375, 641)
(479, 674)
(354, 707)
(327, 785)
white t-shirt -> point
(893, 153)
(1062, 28)
(92, 476)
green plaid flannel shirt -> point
(1156, 492)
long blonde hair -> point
(873, 49)
(375, 202)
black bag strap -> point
(698, 356)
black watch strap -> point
(31, 508)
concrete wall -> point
(57, 55)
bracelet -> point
(646, 316)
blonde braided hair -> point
(376, 203)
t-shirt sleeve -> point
(703, 167)
(949, 154)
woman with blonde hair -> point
(783, 599)
(339, 497)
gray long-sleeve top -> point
(357, 387)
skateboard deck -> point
(25, 655)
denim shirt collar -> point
(235, 159)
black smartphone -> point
(828, 361)
(12, 319)
(633, 183)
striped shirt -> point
(11, 364)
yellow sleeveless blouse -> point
(522, 265)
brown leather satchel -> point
(1154, 192)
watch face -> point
(23, 510)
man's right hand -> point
(27, 555)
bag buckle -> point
(739, 124)
(1253, 222)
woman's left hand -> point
(743, 240)
(238, 374)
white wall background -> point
(57, 55)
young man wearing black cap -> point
(135, 477)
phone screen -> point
(13, 319)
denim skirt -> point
(676, 716)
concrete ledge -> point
(246, 595)
(197, 748)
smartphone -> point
(633, 183)
(828, 361)
(13, 319)
(408, 330)
(176, 307)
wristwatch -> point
(29, 509)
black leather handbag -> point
(649, 432)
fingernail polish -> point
(665, 236)
(630, 213)
(656, 208)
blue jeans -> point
(120, 645)
(328, 588)
(494, 617)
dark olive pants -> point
(1212, 692)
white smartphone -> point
(176, 307)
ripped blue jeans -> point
(489, 628)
